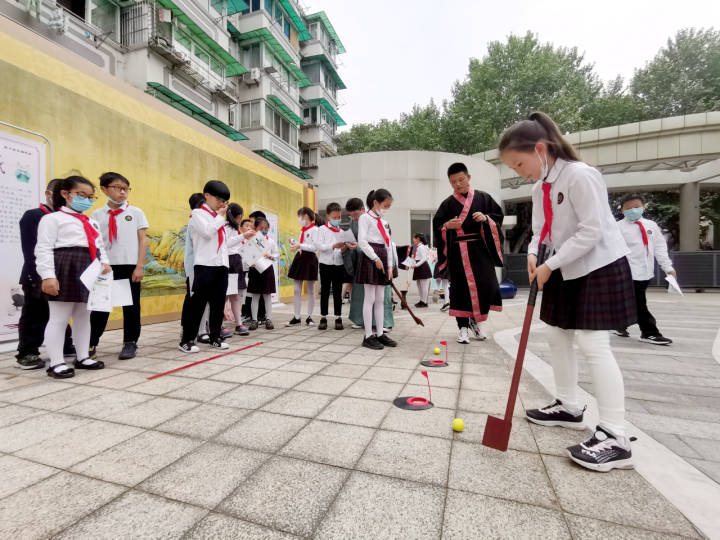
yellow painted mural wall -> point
(96, 127)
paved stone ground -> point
(299, 437)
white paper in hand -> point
(262, 264)
(100, 298)
(409, 262)
(232, 284)
(91, 274)
(345, 236)
(121, 293)
(673, 285)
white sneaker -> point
(477, 330)
(356, 327)
(387, 329)
(463, 336)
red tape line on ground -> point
(202, 361)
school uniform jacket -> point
(29, 223)
(642, 260)
(206, 230)
(324, 239)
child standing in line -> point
(210, 274)
(35, 310)
(235, 236)
(586, 283)
(421, 269)
(304, 267)
(123, 229)
(330, 254)
(646, 243)
(196, 201)
(68, 243)
(262, 285)
(375, 267)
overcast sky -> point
(402, 52)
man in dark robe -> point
(467, 235)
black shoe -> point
(338, 324)
(445, 306)
(31, 361)
(657, 339)
(88, 363)
(92, 351)
(621, 333)
(204, 338)
(219, 344)
(603, 452)
(556, 414)
(294, 321)
(372, 342)
(421, 304)
(269, 325)
(60, 371)
(309, 321)
(241, 330)
(188, 347)
(387, 340)
(253, 325)
(69, 352)
(128, 351)
(323, 324)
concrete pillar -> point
(689, 216)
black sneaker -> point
(60, 371)
(621, 333)
(269, 325)
(204, 338)
(128, 351)
(88, 363)
(387, 341)
(338, 324)
(188, 347)
(323, 324)
(603, 452)
(657, 339)
(372, 342)
(556, 414)
(309, 322)
(219, 344)
(92, 351)
(445, 306)
(253, 325)
(294, 321)
(31, 361)
(421, 304)
(241, 330)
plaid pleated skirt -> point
(304, 267)
(261, 283)
(367, 273)
(70, 263)
(602, 300)
(422, 272)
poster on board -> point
(273, 232)
(22, 179)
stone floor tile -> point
(378, 507)
(238, 359)
(248, 396)
(360, 412)
(281, 379)
(438, 379)
(470, 515)
(240, 374)
(152, 413)
(486, 471)
(324, 384)
(30, 391)
(203, 422)
(108, 404)
(64, 398)
(649, 509)
(160, 386)
(584, 528)
(407, 456)
(134, 460)
(710, 468)
(287, 354)
(18, 473)
(136, 515)
(388, 374)
(678, 426)
(49, 506)
(299, 404)
(554, 440)
(358, 359)
(487, 402)
(708, 449)
(203, 390)
(267, 362)
(344, 370)
(202, 371)
(304, 366)
(14, 414)
(521, 438)
(123, 380)
(330, 443)
(337, 350)
(216, 526)
(263, 431)
(435, 422)
(380, 390)
(287, 494)
(37, 429)
(206, 476)
(675, 444)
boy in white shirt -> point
(332, 271)
(123, 228)
(646, 243)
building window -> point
(250, 115)
(280, 126)
(75, 6)
(104, 15)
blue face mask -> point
(633, 214)
(81, 204)
(335, 222)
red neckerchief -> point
(221, 230)
(548, 211)
(644, 236)
(45, 209)
(90, 233)
(304, 230)
(331, 228)
(380, 227)
(112, 223)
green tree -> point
(613, 106)
(683, 78)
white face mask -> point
(380, 212)
(301, 221)
(543, 166)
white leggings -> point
(236, 303)
(204, 327)
(373, 303)
(606, 376)
(297, 297)
(445, 286)
(423, 286)
(255, 305)
(60, 315)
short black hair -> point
(217, 189)
(632, 197)
(257, 214)
(306, 211)
(457, 168)
(260, 220)
(196, 200)
(66, 184)
(52, 183)
(333, 207)
(109, 177)
(246, 220)
(234, 210)
(354, 204)
(421, 237)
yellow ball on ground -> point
(436, 350)
(458, 425)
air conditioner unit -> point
(252, 76)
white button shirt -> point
(368, 233)
(584, 234)
(124, 249)
(308, 240)
(642, 261)
(62, 230)
(324, 239)
(234, 240)
(266, 242)
(204, 229)
(421, 254)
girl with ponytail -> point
(586, 281)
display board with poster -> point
(273, 233)
(22, 179)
